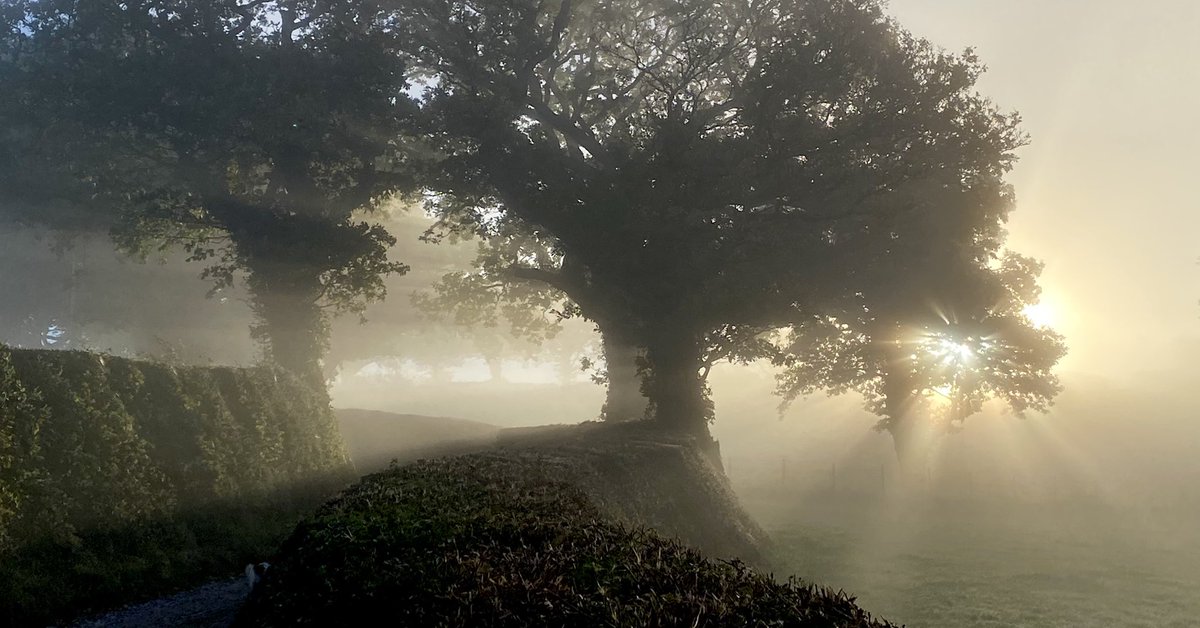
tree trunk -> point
(284, 279)
(899, 399)
(292, 327)
(440, 373)
(675, 387)
(495, 366)
(624, 400)
(902, 440)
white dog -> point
(254, 573)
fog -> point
(103, 300)
(1108, 92)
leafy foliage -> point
(698, 167)
(963, 336)
(248, 133)
(121, 478)
(488, 294)
(500, 540)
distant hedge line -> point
(121, 477)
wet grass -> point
(945, 565)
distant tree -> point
(251, 133)
(425, 329)
(701, 168)
(959, 339)
(507, 283)
(491, 295)
(500, 316)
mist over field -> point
(930, 308)
(1053, 519)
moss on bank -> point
(526, 536)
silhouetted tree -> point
(503, 285)
(481, 301)
(250, 133)
(702, 168)
(958, 333)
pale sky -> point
(1107, 196)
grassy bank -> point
(550, 529)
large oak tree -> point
(701, 166)
(508, 283)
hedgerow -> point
(120, 479)
(495, 540)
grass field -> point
(951, 565)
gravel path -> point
(210, 606)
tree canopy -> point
(251, 133)
(690, 174)
(702, 166)
(957, 342)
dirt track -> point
(210, 606)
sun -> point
(949, 350)
(1041, 314)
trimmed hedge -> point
(122, 479)
(499, 539)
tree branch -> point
(550, 278)
(545, 115)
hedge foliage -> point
(496, 539)
(122, 478)
(641, 474)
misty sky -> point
(1109, 91)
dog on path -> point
(254, 573)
